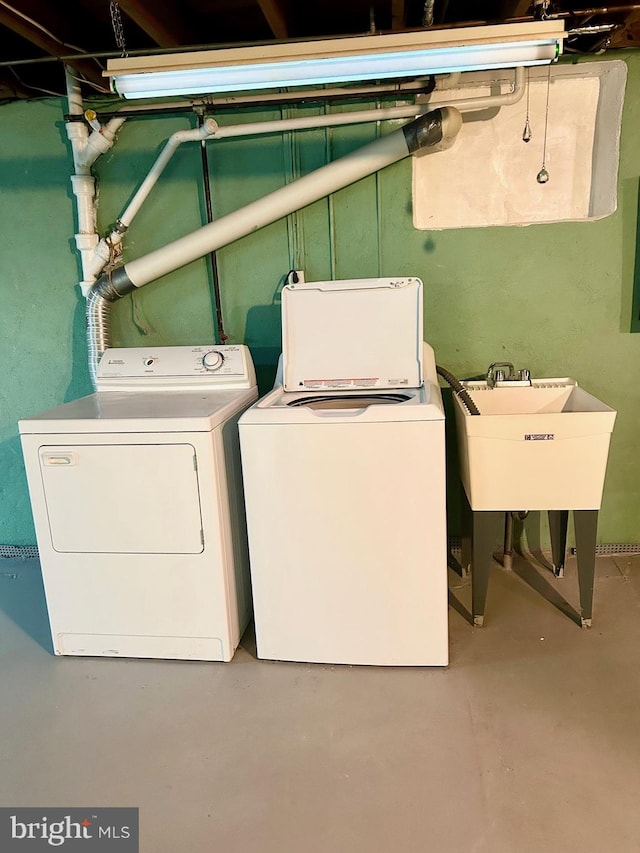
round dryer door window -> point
(349, 401)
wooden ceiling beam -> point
(160, 22)
(397, 14)
(514, 8)
(49, 44)
(276, 16)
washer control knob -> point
(212, 360)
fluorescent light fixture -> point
(343, 60)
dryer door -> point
(122, 499)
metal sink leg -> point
(586, 529)
(558, 524)
(480, 535)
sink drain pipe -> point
(435, 130)
(507, 549)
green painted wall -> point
(556, 298)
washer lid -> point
(353, 334)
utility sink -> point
(542, 445)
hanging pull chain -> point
(543, 176)
(526, 133)
(541, 10)
(116, 23)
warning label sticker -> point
(341, 384)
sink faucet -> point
(496, 372)
(504, 371)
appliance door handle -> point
(58, 459)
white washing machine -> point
(344, 475)
(136, 493)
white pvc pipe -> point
(383, 114)
(102, 251)
(312, 122)
(77, 131)
(435, 131)
(86, 148)
(448, 81)
(84, 189)
(364, 161)
(209, 128)
(82, 182)
(100, 141)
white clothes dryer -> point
(345, 483)
(137, 499)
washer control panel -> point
(213, 360)
(209, 365)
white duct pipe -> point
(101, 253)
(324, 181)
(436, 131)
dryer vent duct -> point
(435, 130)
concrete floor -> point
(528, 742)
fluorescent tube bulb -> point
(335, 61)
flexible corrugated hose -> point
(459, 389)
(99, 300)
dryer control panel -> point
(155, 368)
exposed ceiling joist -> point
(397, 14)
(48, 43)
(276, 16)
(183, 24)
(165, 27)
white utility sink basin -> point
(538, 446)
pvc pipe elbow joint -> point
(451, 124)
(98, 260)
